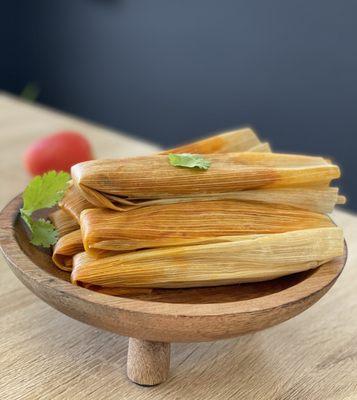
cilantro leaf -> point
(188, 160)
(43, 233)
(45, 191)
(26, 217)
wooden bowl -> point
(152, 321)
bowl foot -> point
(148, 362)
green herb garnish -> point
(43, 192)
(188, 160)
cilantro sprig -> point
(188, 160)
(43, 192)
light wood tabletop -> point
(46, 355)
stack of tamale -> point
(134, 224)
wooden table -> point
(46, 355)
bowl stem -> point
(148, 362)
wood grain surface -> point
(46, 355)
(187, 315)
(148, 362)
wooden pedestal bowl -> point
(153, 321)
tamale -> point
(227, 142)
(261, 147)
(341, 199)
(74, 203)
(318, 199)
(243, 259)
(69, 245)
(189, 223)
(113, 291)
(66, 247)
(63, 222)
(118, 183)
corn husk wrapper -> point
(317, 199)
(73, 203)
(249, 258)
(63, 222)
(189, 223)
(261, 148)
(117, 184)
(66, 247)
(227, 142)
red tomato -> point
(57, 152)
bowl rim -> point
(322, 278)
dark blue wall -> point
(173, 70)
